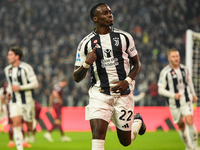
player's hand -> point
(60, 102)
(195, 98)
(8, 95)
(177, 96)
(91, 56)
(120, 87)
(15, 88)
(49, 109)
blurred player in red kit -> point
(56, 102)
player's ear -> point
(95, 19)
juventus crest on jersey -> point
(113, 52)
(20, 76)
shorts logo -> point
(125, 126)
(116, 40)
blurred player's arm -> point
(139, 97)
(162, 83)
(2, 100)
(191, 86)
(56, 95)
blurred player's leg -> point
(183, 133)
(193, 136)
(184, 137)
(64, 138)
(47, 135)
(38, 108)
(98, 144)
(10, 133)
(18, 137)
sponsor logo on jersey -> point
(78, 57)
(109, 62)
(160, 81)
(107, 53)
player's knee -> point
(125, 143)
(189, 123)
(181, 126)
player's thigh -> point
(14, 110)
(57, 107)
(187, 109)
(176, 114)
(29, 112)
(123, 112)
(16, 121)
(99, 106)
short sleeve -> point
(131, 49)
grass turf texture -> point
(158, 140)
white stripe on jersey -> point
(175, 81)
(20, 76)
(113, 52)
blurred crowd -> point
(49, 33)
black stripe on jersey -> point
(175, 82)
(167, 88)
(19, 77)
(10, 77)
(117, 53)
(103, 77)
(32, 91)
(183, 73)
(93, 79)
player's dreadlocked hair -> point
(93, 9)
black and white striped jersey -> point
(173, 81)
(22, 76)
(112, 64)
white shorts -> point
(27, 111)
(183, 110)
(118, 109)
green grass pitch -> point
(158, 140)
